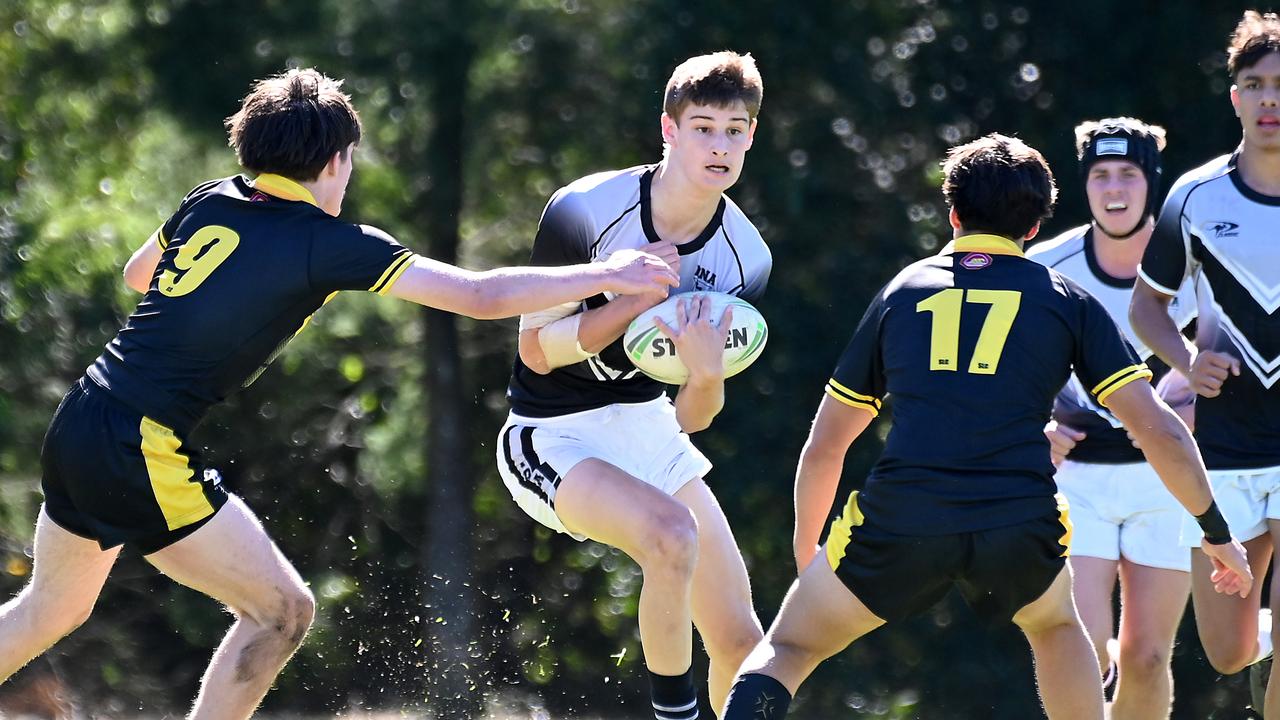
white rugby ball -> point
(650, 350)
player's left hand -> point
(699, 343)
(1231, 574)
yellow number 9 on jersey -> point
(203, 252)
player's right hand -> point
(1209, 369)
(1231, 574)
(1061, 440)
(633, 272)
(668, 251)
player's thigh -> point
(820, 617)
(721, 608)
(1093, 582)
(233, 560)
(611, 506)
(1229, 621)
(1054, 607)
(1152, 602)
(68, 571)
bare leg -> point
(1093, 580)
(1271, 708)
(608, 505)
(232, 560)
(819, 618)
(1069, 687)
(1153, 600)
(1228, 624)
(722, 608)
(66, 578)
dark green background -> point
(367, 448)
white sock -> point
(1264, 635)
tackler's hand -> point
(633, 272)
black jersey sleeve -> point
(1104, 360)
(1165, 261)
(565, 232)
(858, 379)
(356, 257)
(170, 226)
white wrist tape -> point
(559, 342)
(542, 318)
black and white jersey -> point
(590, 219)
(1215, 227)
(1073, 254)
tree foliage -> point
(111, 109)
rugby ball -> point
(654, 354)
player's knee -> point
(1144, 660)
(671, 543)
(1228, 660)
(287, 616)
(732, 645)
(299, 613)
(65, 613)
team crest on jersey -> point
(975, 261)
(703, 278)
(258, 197)
(1222, 228)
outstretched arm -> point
(142, 265)
(1167, 445)
(835, 427)
(504, 292)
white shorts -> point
(1123, 510)
(1247, 499)
(643, 439)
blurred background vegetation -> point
(368, 447)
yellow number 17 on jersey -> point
(944, 340)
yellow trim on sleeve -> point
(1115, 376)
(177, 493)
(853, 403)
(1136, 372)
(854, 395)
(161, 240)
(393, 272)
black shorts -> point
(112, 475)
(998, 571)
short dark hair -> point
(999, 185)
(1256, 36)
(292, 123)
(719, 80)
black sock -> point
(757, 697)
(674, 697)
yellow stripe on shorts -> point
(1064, 517)
(181, 500)
(842, 530)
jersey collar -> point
(283, 188)
(983, 243)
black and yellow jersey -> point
(244, 266)
(972, 345)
